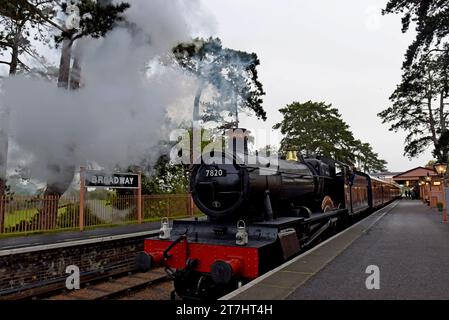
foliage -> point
(233, 73)
(418, 103)
(96, 19)
(100, 194)
(430, 163)
(68, 217)
(316, 129)
(432, 25)
(442, 147)
(414, 108)
(165, 206)
(20, 30)
(166, 178)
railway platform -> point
(61, 238)
(406, 241)
(37, 264)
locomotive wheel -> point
(327, 204)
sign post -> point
(99, 179)
(139, 198)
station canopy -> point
(414, 175)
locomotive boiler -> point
(260, 212)
(236, 185)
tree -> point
(430, 163)
(316, 129)
(96, 19)
(18, 27)
(419, 101)
(366, 159)
(419, 108)
(232, 73)
(166, 178)
(87, 18)
(432, 25)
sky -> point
(340, 52)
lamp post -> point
(441, 169)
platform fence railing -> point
(20, 215)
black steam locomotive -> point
(260, 213)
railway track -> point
(154, 285)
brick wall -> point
(28, 270)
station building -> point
(426, 184)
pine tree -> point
(419, 101)
(95, 20)
(231, 72)
(19, 27)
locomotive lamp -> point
(241, 237)
(164, 232)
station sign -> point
(101, 179)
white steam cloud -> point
(126, 103)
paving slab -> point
(409, 245)
(284, 281)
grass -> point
(110, 225)
(13, 218)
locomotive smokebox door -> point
(289, 243)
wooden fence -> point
(24, 215)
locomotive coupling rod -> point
(318, 233)
(322, 216)
(174, 243)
